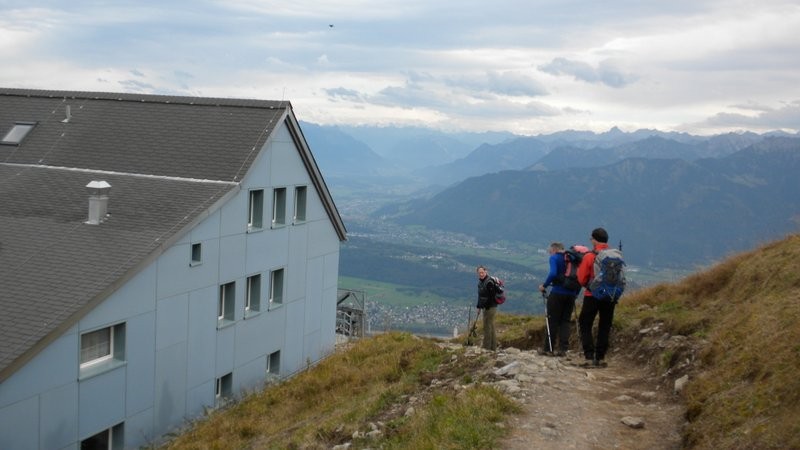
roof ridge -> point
(112, 172)
(148, 98)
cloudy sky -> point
(526, 66)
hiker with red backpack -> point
(488, 291)
(601, 273)
(560, 302)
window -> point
(223, 389)
(197, 254)
(300, 204)
(102, 349)
(17, 133)
(279, 207)
(227, 300)
(255, 215)
(253, 297)
(276, 287)
(109, 439)
(274, 363)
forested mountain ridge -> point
(666, 211)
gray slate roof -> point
(169, 160)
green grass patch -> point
(472, 419)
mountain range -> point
(672, 198)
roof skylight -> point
(17, 133)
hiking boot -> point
(543, 352)
(599, 363)
(561, 353)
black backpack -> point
(572, 259)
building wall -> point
(174, 347)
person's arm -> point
(586, 269)
(551, 276)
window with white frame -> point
(109, 439)
(276, 287)
(223, 388)
(300, 204)
(253, 296)
(197, 254)
(278, 207)
(227, 300)
(255, 210)
(102, 349)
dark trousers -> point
(489, 336)
(591, 308)
(559, 314)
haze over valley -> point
(425, 210)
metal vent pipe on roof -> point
(68, 115)
(98, 201)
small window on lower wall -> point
(197, 254)
(109, 439)
(102, 350)
(274, 363)
(224, 389)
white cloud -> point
(509, 64)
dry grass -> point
(369, 382)
(744, 316)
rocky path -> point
(570, 407)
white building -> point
(157, 255)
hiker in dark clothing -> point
(560, 304)
(487, 291)
(594, 351)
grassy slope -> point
(740, 346)
(742, 318)
(371, 382)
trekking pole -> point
(547, 322)
(473, 332)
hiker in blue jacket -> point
(560, 304)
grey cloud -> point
(787, 116)
(503, 83)
(606, 72)
(345, 94)
(183, 75)
(407, 96)
(460, 104)
(511, 83)
(137, 86)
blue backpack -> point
(609, 275)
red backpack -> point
(500, 296)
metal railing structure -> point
(351, 314)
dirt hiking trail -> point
(566, 406)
